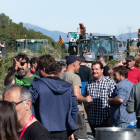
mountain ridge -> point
(55, 34)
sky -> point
(98, 16)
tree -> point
(9, 28)
(4, 20)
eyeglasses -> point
(115, 75)
(22, 63)
(15, 104)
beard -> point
(22, 74)
(117, 80)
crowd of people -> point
(45, 100)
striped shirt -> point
(100, 91)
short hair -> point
(23, 56)
(8, 121)
(83, 59)
(103, 58)
(121, 70)
(48, 62)
(33, 60)
(60, 65)
(24, 92)
(97, 62)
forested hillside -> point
(9, 31)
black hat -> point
(130, 58)
(72, 58)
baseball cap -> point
(130, 58)
(2, 42)
(72, 58)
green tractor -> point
(31, 44)
(132, 48)
(91, 49)
(133, 45)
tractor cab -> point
(134, 41)
(104, 46)
(84, 46)
(81, 47)
(72, 50)
(31, 44)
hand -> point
(16, 64)
(2, 45)
(138, 55)
(88, 99)
(71, 137)
(122, 63)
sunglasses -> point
(15, 104)
(22, 63)
(62, 62)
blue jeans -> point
(123, 125)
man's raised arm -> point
(10, 76)
(122, 63)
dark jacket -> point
(3, 49)
(54, 103)
(133, 103)
(36, 72)
(84, 73)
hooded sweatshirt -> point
(54, 103)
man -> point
(3, 48)
(119, 116)
(20, 73)
(84, 71)
(54, 101)
(84, 74)
(60, 68)
(133, 72)
(73, 65)
(101, 50)
(106, 68)
(100, 89)
(133, 103)
(85, 49)
(33, 63)
(29, 127)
